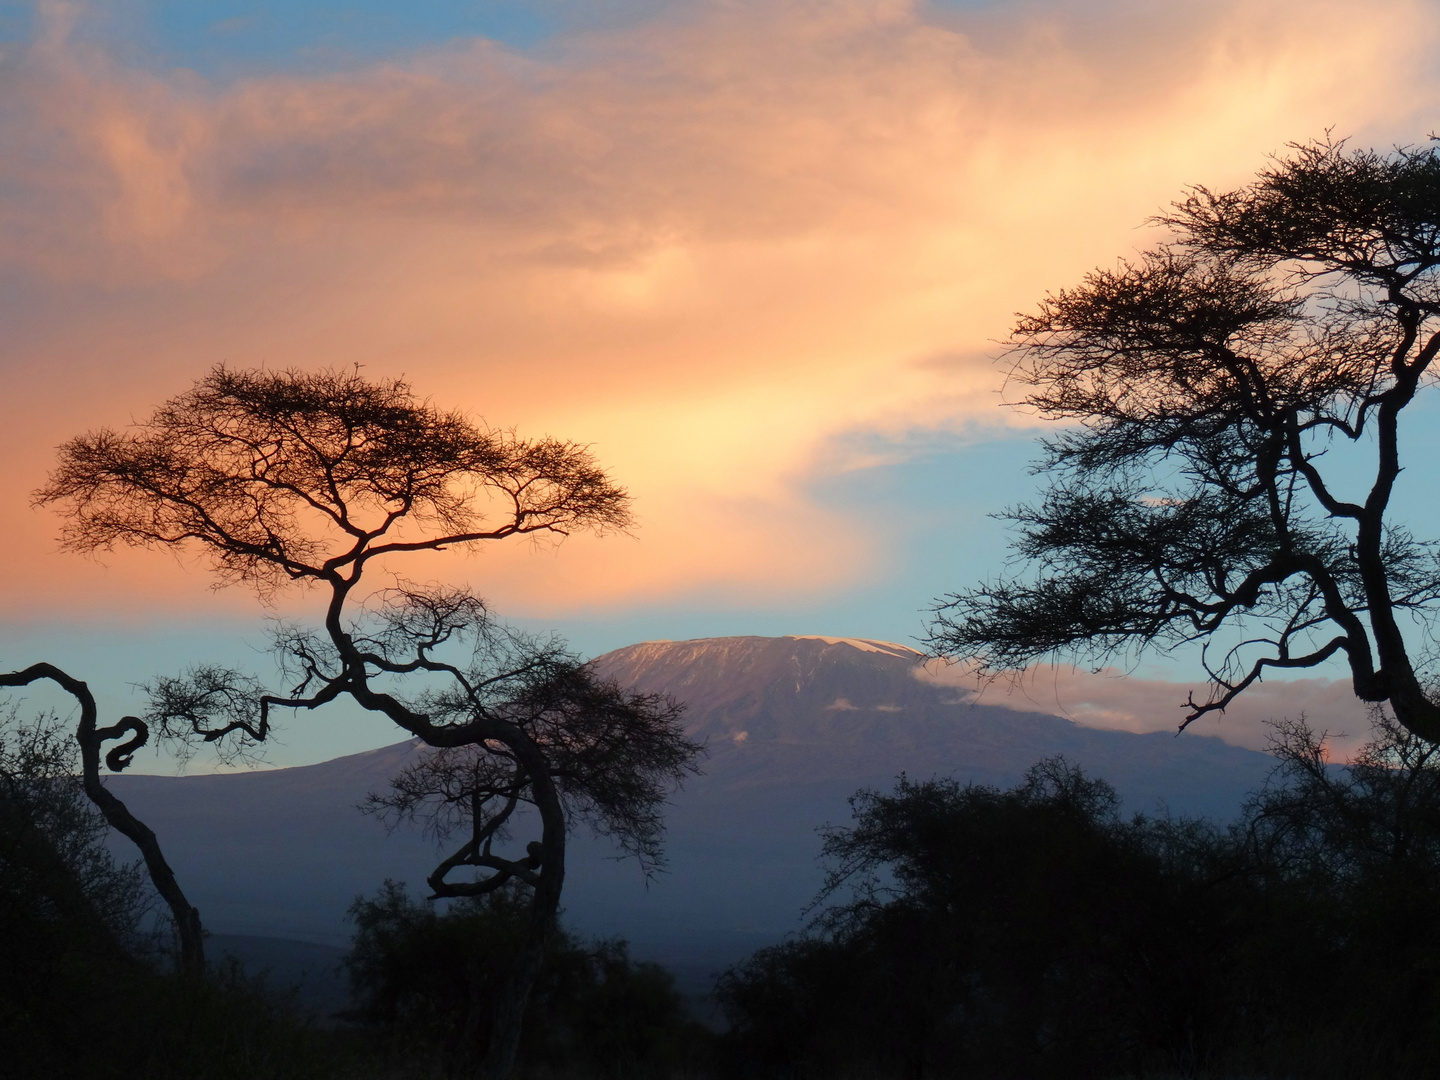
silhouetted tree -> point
(611, 755)
(311, 479)
(1369, 818)
(1203, 386)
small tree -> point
(1350, 854)
(54, 866)
(422, 978)
(91, 739)
(310, 479)
(1371, 825)
(1192, 498)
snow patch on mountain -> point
(863, 644)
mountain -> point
(793, 726)
(780, 712)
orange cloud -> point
(709, 244)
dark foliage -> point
(79, 997)
(68, 913)
(1353, 855)
(425, 982)
(53, 859)
(1203, 387)
(41, 745)
(1033, 932)
(978, 923)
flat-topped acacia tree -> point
(293, 479)
(1233, 402)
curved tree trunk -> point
(186, 915)
(91, 738)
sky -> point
(758, 254)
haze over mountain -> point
(793, 726)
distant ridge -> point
(793, 726)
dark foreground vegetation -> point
(86, 988)
(1036, 932)
(425, 984)
(964, 931)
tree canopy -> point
(285, 476)
(1216, 394)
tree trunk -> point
(505, 1028)
(187, 917)
(507, 1023)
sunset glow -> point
(753, 253)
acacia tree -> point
(312, 479)
(1220, 393)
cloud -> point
(1122, 701)
(709, 243)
